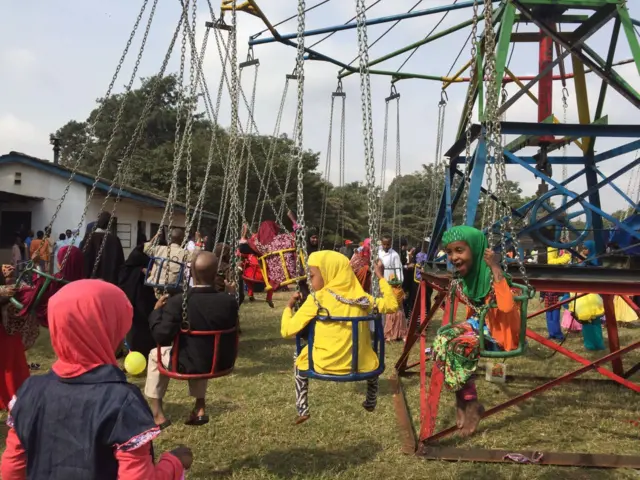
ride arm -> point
(164, 322)
(388, 302)
(291, 324)
(554, 258)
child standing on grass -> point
(456, 347)
(83, 420)
(338, 291)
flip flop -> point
(198, 420)
(164, 425)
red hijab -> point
(88, 319)
(268, 230)
(366, 249)
(73, 270)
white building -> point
(30, 192)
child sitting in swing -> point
(338, 291)
(269, 240)
(456, 348)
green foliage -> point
(151, 166)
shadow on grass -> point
(305, 462)
(179, 412)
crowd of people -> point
(100, 304)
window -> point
(17, 178)
(124, 234)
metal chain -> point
(565, 106)
(367, 125)
(383, 167)
(292, 157)
(249, 136)
(91, 131)
(434, 193)
(327, 173)
(105, 156)
(396, 191)
(473, 82)
(343, 124)
(194, 105)
(130, 149)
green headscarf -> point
(477, 282)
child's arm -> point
(504, 296)
(291, 324)
(388, 302)
(14, 458)
(553, 257)
(138, 463)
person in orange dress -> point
(479, 280)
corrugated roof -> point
(103, 184)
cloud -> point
(18, 134)
(18, 61)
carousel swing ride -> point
(474, 171)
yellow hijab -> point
(341, 286)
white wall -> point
(38, 183)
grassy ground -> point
(251, 434)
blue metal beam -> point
(579, 160)
(475, 181)
(615, 187)
(372, 21)
(616, 152)
(635, 22)
(578, 198)
(570, 129)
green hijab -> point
(477, 282)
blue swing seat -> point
(161, 263)
(354, 376)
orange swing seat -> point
(216, 369)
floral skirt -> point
(456, 351)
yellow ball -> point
(135, 363)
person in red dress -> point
(13, 361)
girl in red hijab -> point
(360, 263)
(83, 420)
(269, 240)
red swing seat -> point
(216, 370)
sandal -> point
(164, 425)
(197, 420)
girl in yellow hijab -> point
(338, 291)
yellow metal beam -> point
(453, 79)
(582, 99)
(247, 7)
(521, 85)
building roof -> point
(131, 193)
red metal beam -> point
(538, 390)
(545, 85)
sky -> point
(53, 72)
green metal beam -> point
(559, 19)
(504, 40)
(603, 86)
(586, 4)
(629, 31)
(417, 44)
(601, 62)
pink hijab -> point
(88, 319)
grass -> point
(251, 434)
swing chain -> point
(367, 124)
(343, 124)
(397, 187)
(129, 151)
(327, 173)
(114, 131)
(473, 79)
(91, 130)
(565, 95)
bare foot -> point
(160, 419)
(472, 414)
(460, 406)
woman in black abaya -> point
(142, 297)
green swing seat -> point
(27, 273)
(527, 293)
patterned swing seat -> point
(288, 259)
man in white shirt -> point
(391, 260)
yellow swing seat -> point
(288, 278)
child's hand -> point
(8, 291)
(295, 298)
(8, 270)
(185, 455)
(491, 258)
(162, 301)
(378, 269)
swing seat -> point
(155, 279)
(253, 273)
(354, 375)
(216, 369)
(526, 294)
(288, 278)
(27, 277)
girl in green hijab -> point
(456, 350)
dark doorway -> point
(13, 224)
